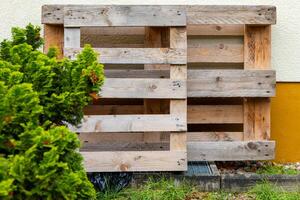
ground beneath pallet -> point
(258, 167)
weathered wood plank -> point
(143, 88)
(123, 15)
(231, 83)
(72, 38)
(130, 123)
(215, 29)
(53, 14)
(99, 138)
(215, 53)
(135, 55)
(126, 146)
(192, 30)
(214, 136)
(257, 44)
(215, 114)
(131, 73)
(195, 14)
(231, 151)
(134, 161)
(178, 39)
(230, 14)
(54, 37)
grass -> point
(168, 189)
(277, 169)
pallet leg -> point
(257, 55)
(54, 37)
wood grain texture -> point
(215, 29)
(143, 88)
(216, 53)
(134, 161)
(54, 37)
(72, 38)
(215, 114)
(130, 123)
(131, 73)
(230, 14)
(178, 39)
(135, 55)
(231, 151)
(214, 136)
(195, 14)
(123, 15)
(257, 44)
(231, 83)
(192, 30)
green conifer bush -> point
(38, 95)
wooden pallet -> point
(172, 69)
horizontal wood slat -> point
(130, 123)
(123, 15)
(134, 161)
(230, 14)
(220, 53)
(215, 29)
(231, 83)
(143, 88)
(215, 114)
(135, 55)
(195, 14)
(231, 151)
(215, 136)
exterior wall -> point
(285, 124)
(285, 56)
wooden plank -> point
(257, 57)
(230, 14)
(134, 161)
(218, 51)
(101, 137)
(215, 29)
(131, 73)
(54, 37)
(72, 38)
(214, 136)
(124, 15)
(178, 39)
(135, 55)
(192, 30)
(126, 146)
(231, 83)
(143, 88)
(257, 44)
(196, 14)
(53, 14)
(231, 151)
(215, 114)
(130, 123)
(113, 109)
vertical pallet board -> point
(54, 37)
(178, 39)
(257, 49)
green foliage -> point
(277, 169)
(38, 95)
(267, 191)
(164, 189)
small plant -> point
(267, 191)
(277, 169)
(38, 95)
